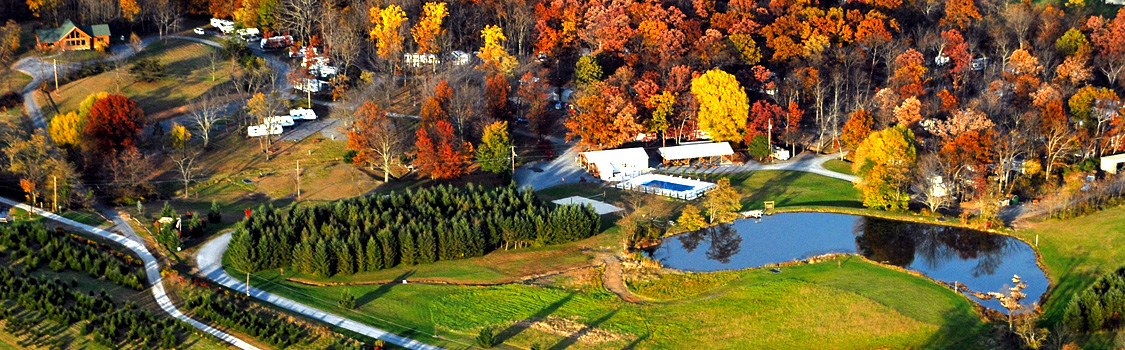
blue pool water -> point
(668, 185)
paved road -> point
(806, 162)
(209, 260)
(152, 269)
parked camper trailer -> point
(263, 130)
(276, 42)
(223, 25)
(302, 114)
(283, 120)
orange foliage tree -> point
(112, 124)
(438, 155)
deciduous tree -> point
(376, 138)
(885, 163)
(909, 112)
(112, 124)
(66, 129)
(910, 73)
(857, 128)
(438, 155)
(428, 29)
(603, 118)
(723, 202)
(960, 14)
(496, 91)
(495, 150)
(1108, 39)
(386, 30)
(723, 105)
(492, 54)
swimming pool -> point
(665, 185)
(668, 185)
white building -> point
(1111, 164)
(706, 150)
(418, 60)
(615, 164)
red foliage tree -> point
(112, 124)
(763, 114)
(496, 91)
(958, 52)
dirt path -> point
(613, 280)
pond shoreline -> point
(988, 312)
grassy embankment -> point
(188, 75)
(1075, 253)
(859, 305)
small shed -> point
(1111, 164)
(615, 164)
(710, 151)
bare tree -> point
(933, 186)
(166, 14)
(128, 173)
(465, 106)
(301, 15)
(185, 164)
(339, 31)
(378, 137)
(206, 112)
(1058, 142)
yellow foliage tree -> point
(723, 202)
(129, 9)
(88, 102)
(428, 29)
(66, 129)
(723, 106)
(179, 136)
(387, 30)
(885, 162)
(492, 53)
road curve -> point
(209, 260)
(152, 269)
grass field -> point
(793, 189)
(859, 305)
(13, 80)
(1076, 252)
(839, 166)
(188, 76)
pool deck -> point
(600, 207)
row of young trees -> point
(228, 312)
(112, 325)
(1100, 306)
(412, 227)
(32, 244)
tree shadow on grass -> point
(633, 344)
(573, 338)
(520, 326)
(383, 289)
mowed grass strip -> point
(188, 76)
(839, 166)
(857, 306)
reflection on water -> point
(983, 262)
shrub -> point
(10, 99)
(487, 337)
(148, 70)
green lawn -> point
(85, 217)
(188, 76)
(839, 166)
(1076, 252)
(13, 80)
(793, 189)
(860, 305)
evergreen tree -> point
(345, 260)
(409, 248)
(374, 254)
(390, 248)
(321, 264)
(427, 247)
(240, 251)
(303, 258)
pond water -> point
(981, 261)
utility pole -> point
(55, 63)
(56, 180)
(769, 136)
(298, 180)
(513, 162)
(247, 283)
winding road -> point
(152, 269)
(209, 260)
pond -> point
(981, 261)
